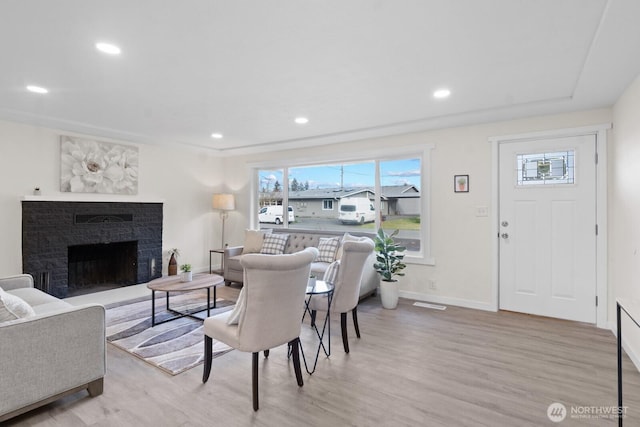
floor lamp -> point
(223, 203)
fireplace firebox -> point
(101, 266)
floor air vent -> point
(427, 305)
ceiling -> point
(356, 69)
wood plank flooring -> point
(413, 366)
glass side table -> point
(318, 289)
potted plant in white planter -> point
(187, 274)
(389, 256)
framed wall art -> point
(90, 166)
(461, 183)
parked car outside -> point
(356, 210)
(273, 214)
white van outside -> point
(273, 214)
(356, 210)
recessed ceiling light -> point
(301, 120)
(109, 48)
(441, 93)
(216, 135)
(37, 89)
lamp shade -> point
(224, 202)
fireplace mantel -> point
(89, 197)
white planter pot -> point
(389, 294)
(187, 276)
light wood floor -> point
(413, 367)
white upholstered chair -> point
(347, 285)
(274, 288)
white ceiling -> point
(356, 68)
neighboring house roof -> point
(388, 191)
(400, 191)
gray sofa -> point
(298, 241)
(59, 351)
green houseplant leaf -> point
(389, 256)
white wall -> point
(624, 211)
(184, 179)
(461, 242)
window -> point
(401, 200)
(546, 168)
(355, 196)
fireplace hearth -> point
(70, 247)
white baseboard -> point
(447, 301)
(625, 345)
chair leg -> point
(313, 317)
(343, 325)
(354, 312)
(208, 356)
(295, 349)
(266, 353)
(255, 381)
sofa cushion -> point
(253, 240)
(35, 297)
(327, 248)
(233, 263)
(273, 244)
(13, 307)
(318, 268)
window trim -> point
(424, 151)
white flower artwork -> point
(89, 166)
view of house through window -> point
(400, 199)
(341, 197)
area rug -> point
(175, 346)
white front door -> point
(547, 227)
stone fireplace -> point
(70, 247)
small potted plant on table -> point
(389, 256)
(187, 274)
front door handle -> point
(505, 235)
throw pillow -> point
(13, 307)
(273, 244)
(238, 310)
(327, 249)
(331, 275)
(253, 241)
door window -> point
(556, 167)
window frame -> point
(325, 202)
(423, 152)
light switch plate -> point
(482, 211)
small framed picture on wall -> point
(461, 183)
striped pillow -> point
(331, 275)
(273, 244)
